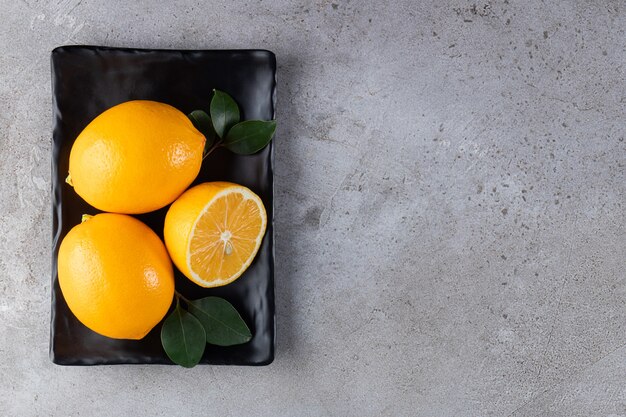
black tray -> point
(86, 80)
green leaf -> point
(183, 338)
(222, 323)
(202, 122)
(224, 112)
(249, 137)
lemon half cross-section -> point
(213, 232)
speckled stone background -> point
(450, 209)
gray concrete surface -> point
(450, 209)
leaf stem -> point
(212, 148)
(179, 297)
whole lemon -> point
(135, 157)
(115, 275)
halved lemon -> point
(213, 231)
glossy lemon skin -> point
(136, 157)
(116, 276)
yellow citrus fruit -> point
(116, 276)
(213, 232)
(135, 157)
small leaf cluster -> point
(222, 126)
(213, 320)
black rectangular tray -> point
(86, 80)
